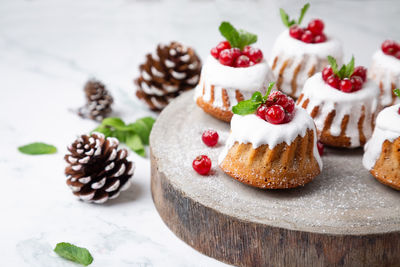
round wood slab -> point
(344, 217)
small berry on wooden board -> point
(210, 138)
(236, 50)
(347, 79)
(202, 165)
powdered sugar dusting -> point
(343, 199)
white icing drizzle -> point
(146, 76)
(114, 186)
(387, 128)
(85, 180)
(99, 184)
(251, 129)
(169, 63)
(84, 160)
(298, 52)
(386, 70)
(120, 171)
(178, 75)
(156, 72)
(329, 99)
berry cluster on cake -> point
(385, 71)
(300, 52)
(272, 144)
(233, 71)
(343, 104)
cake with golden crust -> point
(342, 119)
(382, 152)
(385, 71)
(272, 156)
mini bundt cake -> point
(385, 71)
(343, 105)
(298, 53)
(276, 148)
(382, 152)
(230, 74)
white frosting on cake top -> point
(252, 129)
(387, 128)
(330, 99)
(294, 47)
(246, 79)
(387, 62)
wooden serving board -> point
(343, 218)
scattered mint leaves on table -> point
(37, 149)
(73, 253)
(250, 106)
(237, 38)
(135, 135)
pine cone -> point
(99, 101)
(97, 170)
(174, 68)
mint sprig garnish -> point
(250, 106)
(73, 253)
(37, 149)
(397, 92)
(345, 71)
(237, 38)
(134, 135)
(286, 19)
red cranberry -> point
(214, 52)
(288, 117)
(281, 100)
(316, 26)
(357, 83)
(236, 52)
(320, 147)
(242, 61)
(226, 57)
(399, 111)
(275, 114)
(397, 54)
(307, 37)
(326, 72)
(389, 47)
(202, 164)
(360, 71)
(290, 105)
(346, 85)
(222, 46)
(262, 111)
(296, 32)
(320, 38)
(255, 55)
(210, 138)
(333, 81)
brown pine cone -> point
(174, 68)
(99, 101)
(97, 170)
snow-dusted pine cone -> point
(97, 170)
(172, 69)
(99, 101)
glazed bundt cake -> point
(231, 73)
(343, 108)
(270, 150)
(385, 71)
(298, 53)
(382, 152)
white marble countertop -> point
(48, 49)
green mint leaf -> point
(256, 97)
(334, 65)
(37, 149)
(104, 130)
(246, 38)
(342, 72)
(245, 107)
(350, 68)
(270, 85)
(303, 12)
(113, 122)
(74, 253)
(397, 92)
(230, 33)
(285, 18)
(135, 143)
